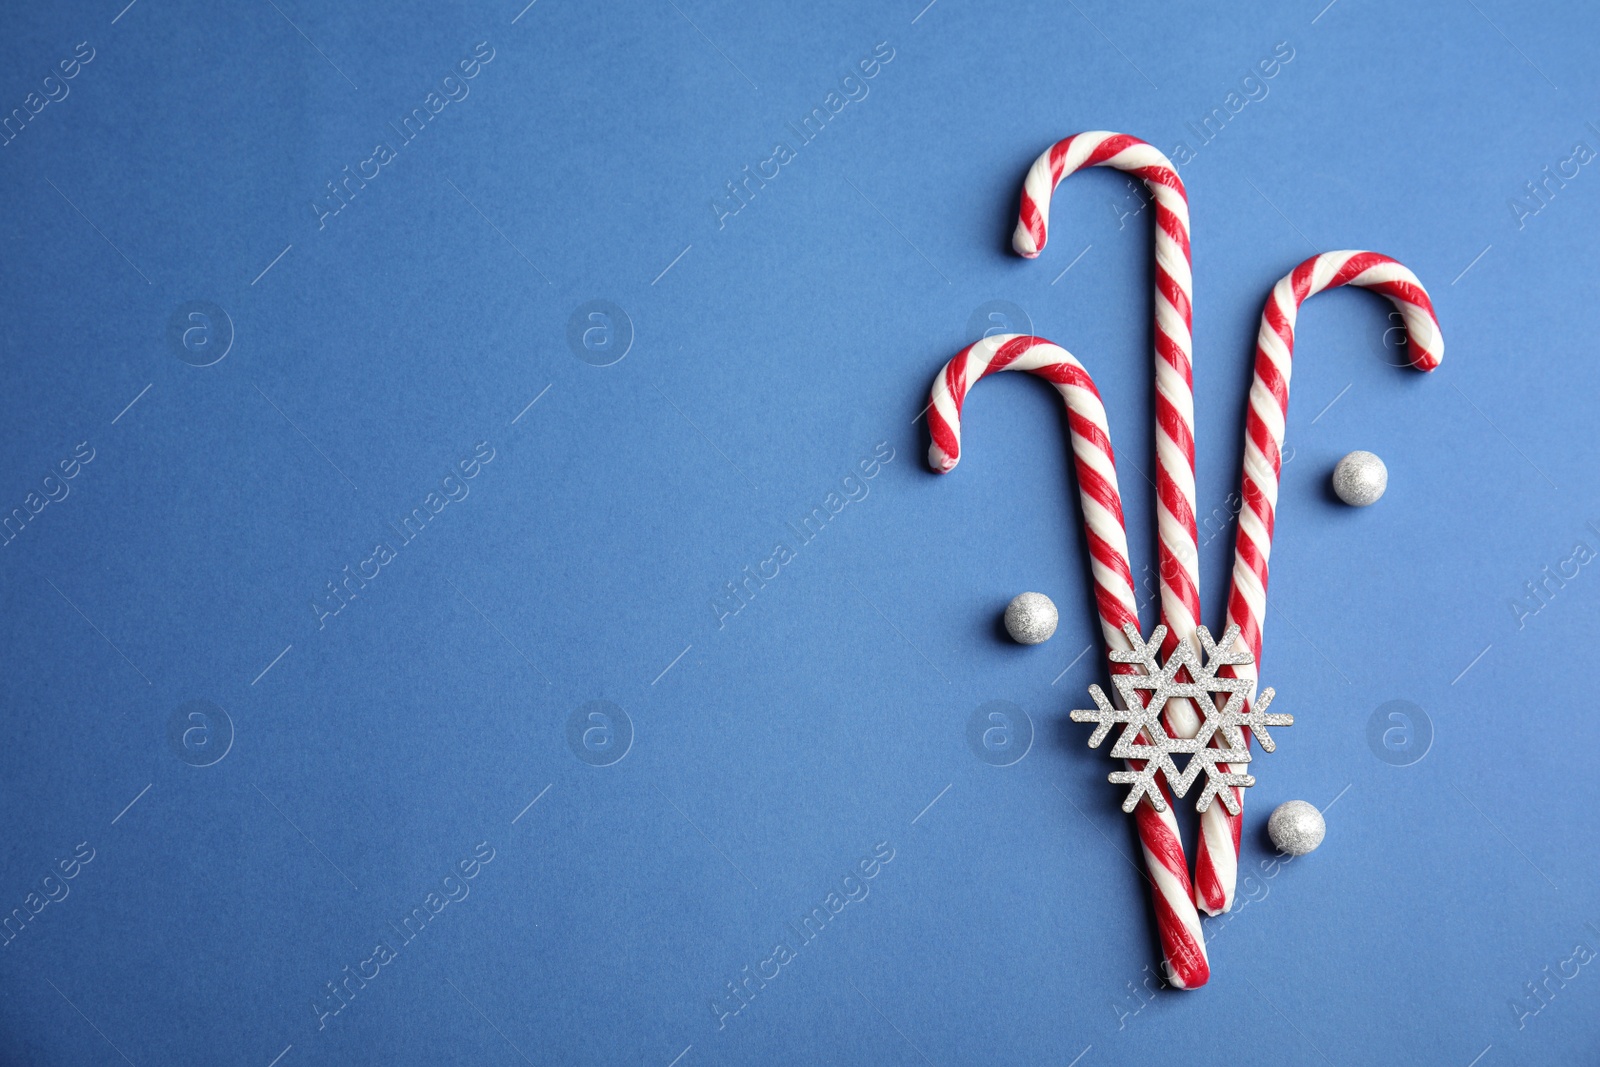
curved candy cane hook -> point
(1179, 562)
(1217, 862)
(1177, 921)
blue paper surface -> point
(416, 650)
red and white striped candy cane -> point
(1216, 866)
(1179, 561)
(1177, 921)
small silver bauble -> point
(1360, 479)
(1031, 618)
(1296, 827)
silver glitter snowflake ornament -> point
(1145, 738)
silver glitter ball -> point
(1031, 618)
(1296, 827)
(1360, 479)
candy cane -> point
(1217, 862)
(1175, 511)
(1177, 921)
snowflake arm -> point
(1104, 714)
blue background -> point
(768, 751)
